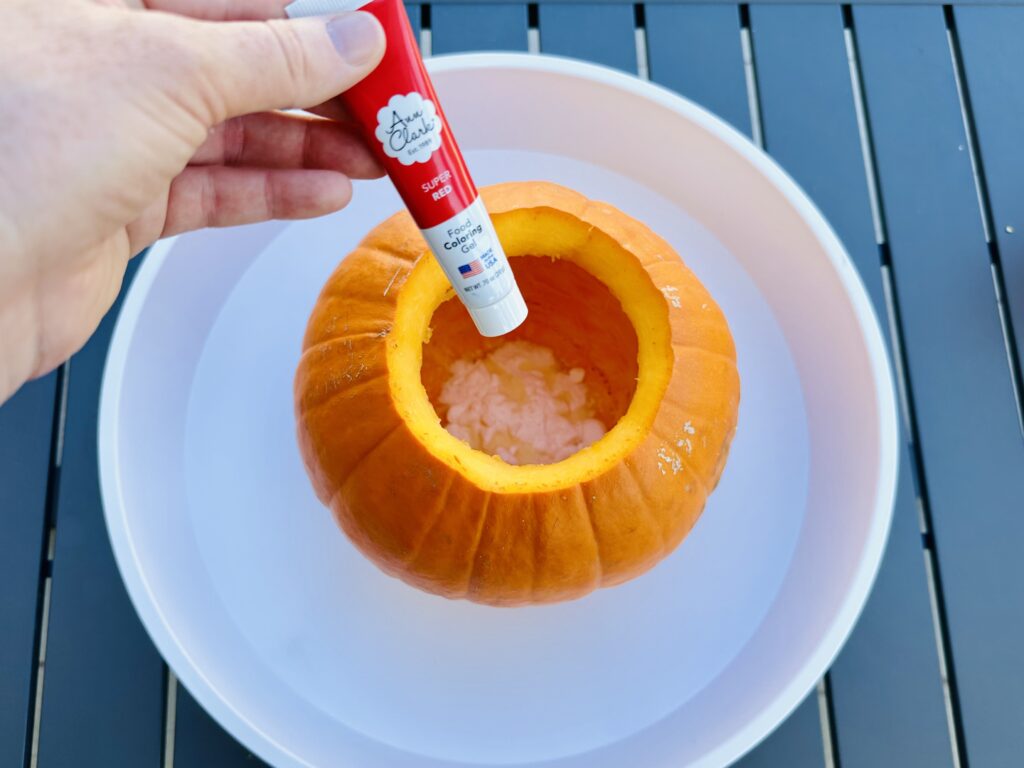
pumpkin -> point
(606, 295)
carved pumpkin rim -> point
(618, 270)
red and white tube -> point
(403, 123)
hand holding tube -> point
(406, 128)
(122, 125)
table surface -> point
(902, 123)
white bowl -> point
(311, 657)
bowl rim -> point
(788, 697)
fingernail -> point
(356, 36)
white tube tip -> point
(502, 316)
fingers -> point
(246, 67)
(222, 10)
(276, 140)
(223, 197)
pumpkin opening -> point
(551, 387)
(592, 303)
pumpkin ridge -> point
(683, 459)
(593, 532)
(343, 485)
(484, 519)
(441, 499)
(402, 262)
(658, 525)
(308, 409)
(344, 336)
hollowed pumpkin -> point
(605, 294)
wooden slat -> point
(695, 50)
(992, 45)
(601, 33)
(103, 694)
(26, 427)
(797, 743)
(960, 384)
(199, 741)
(498, 27)
(887, 695)
(810, 127)
(810, 122)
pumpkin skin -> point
(604, 293)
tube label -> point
(468, 250)
(405, 126)
(409, 128)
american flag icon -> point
(473, 268)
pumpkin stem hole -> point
(548, 389)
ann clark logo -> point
(409, 128)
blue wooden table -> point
(905, 125)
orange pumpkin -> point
(606, 295)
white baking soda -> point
(519, 403)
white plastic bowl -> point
(311, 657)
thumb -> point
(247, 67)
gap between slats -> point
(643, 70)
(750, 74)
(901, 372)
(426, 40)
(985, 211)
(170, 716)
(827, 719)
(37, 708)
(532, 28)
(49, 545)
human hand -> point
(128, 120)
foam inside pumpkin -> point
(616, 307)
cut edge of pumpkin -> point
(558, 235)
